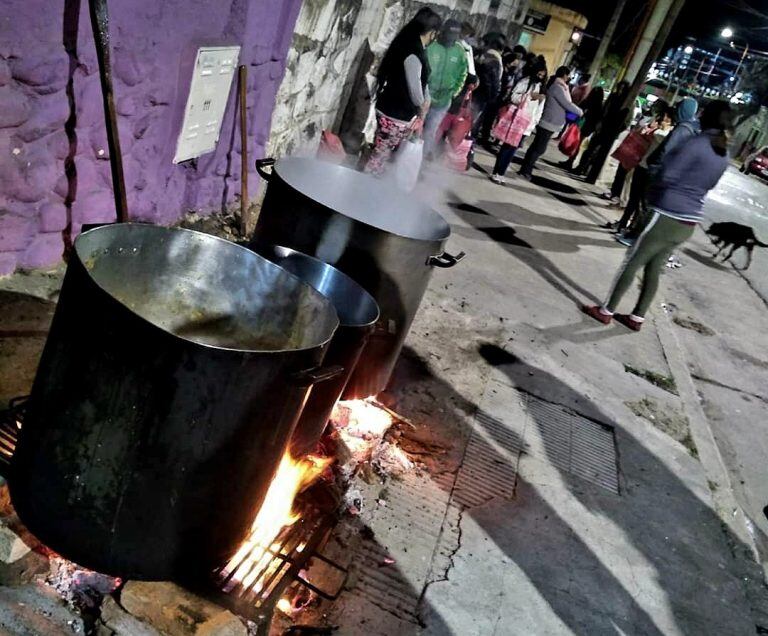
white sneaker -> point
(497, 178)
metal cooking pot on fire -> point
(381, 237)
(172, 378)
(358, 313)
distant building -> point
(692, 69)
(548, 29)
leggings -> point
(650, 253)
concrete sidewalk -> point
(569, 466)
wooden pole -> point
(597, 62)
(100, 26)
(242, 81)
(636, 41)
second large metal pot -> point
(175, 370)
(358, 313)
(384, 239)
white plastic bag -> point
(408, 163)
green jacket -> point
(448, 72)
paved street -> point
(593, 480)
(744, 199)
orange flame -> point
(276, 513)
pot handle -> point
(316, 375)
(261, 165)
(446, 260)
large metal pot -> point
(358, 313)
(173, 375)
(382, 238)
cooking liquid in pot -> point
(174, 305)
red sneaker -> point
(594, 312)
(629, 322)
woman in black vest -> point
(403, 95)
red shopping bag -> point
(331, 149)
(570, 142)
(512, 123)
(461, 124)
(632, 150)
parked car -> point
(757, 163)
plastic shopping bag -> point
(408, 163)
(512, 123)
(570, 141)
(331, 149)
(632, 150)
(457, 158)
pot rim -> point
(230, 245)
(395, 198)
(283, 253)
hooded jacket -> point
(688, 172)
(687, 127)
(448, 72)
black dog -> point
(734, 235)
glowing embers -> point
(278, 531)
(360, 423)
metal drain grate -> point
(490, 463)
(511, 422)
(571, 442)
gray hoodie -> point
(558, 103)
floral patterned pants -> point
(390, 133)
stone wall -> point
(336, 48)
(54, 168)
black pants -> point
(635, 205)
(618, 181)
(538, 148)
(484, 127)
(598, 160)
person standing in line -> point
(660, 130)
(448, 65)
(467, 37)
(687, 127)
(529, 88)
(512, 62)
(581, 91)
(676, 197)
(593, 113)
(615, 119)
(490, 69)
(403, 93)
(552, 119)
(614, 195)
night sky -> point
(700, 19)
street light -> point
(726, 33)
(688, 50)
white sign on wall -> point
(211, 82)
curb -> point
(726, 506)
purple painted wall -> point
(51, 114)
